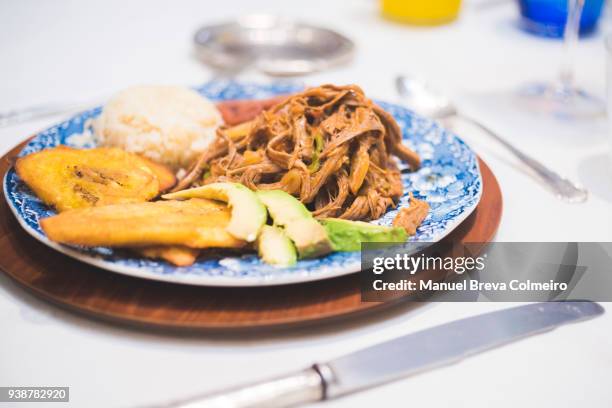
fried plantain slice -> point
(175, 254)
(196, 223)
(164, 175)
(68, 178)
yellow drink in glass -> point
(421, 12)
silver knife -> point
(401, 357)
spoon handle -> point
(13, 117)
(563, 188)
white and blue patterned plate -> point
(449, 180)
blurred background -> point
(75, 49)
(492, 58)
(499, 61)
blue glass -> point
(548, 17)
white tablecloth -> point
(82, 51)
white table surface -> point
(74, 51)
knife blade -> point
(401, 357)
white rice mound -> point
(168, 124)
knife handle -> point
(290, 390)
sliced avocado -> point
(309, 237)
(283, 207)
(248, 212)
(307, 234)
(275, 248)
(348, 235)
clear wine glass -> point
(562, 97)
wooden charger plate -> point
(146, 303)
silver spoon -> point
(425, 100)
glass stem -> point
(570, 40)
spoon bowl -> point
(423, 98)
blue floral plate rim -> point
(244, 270)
